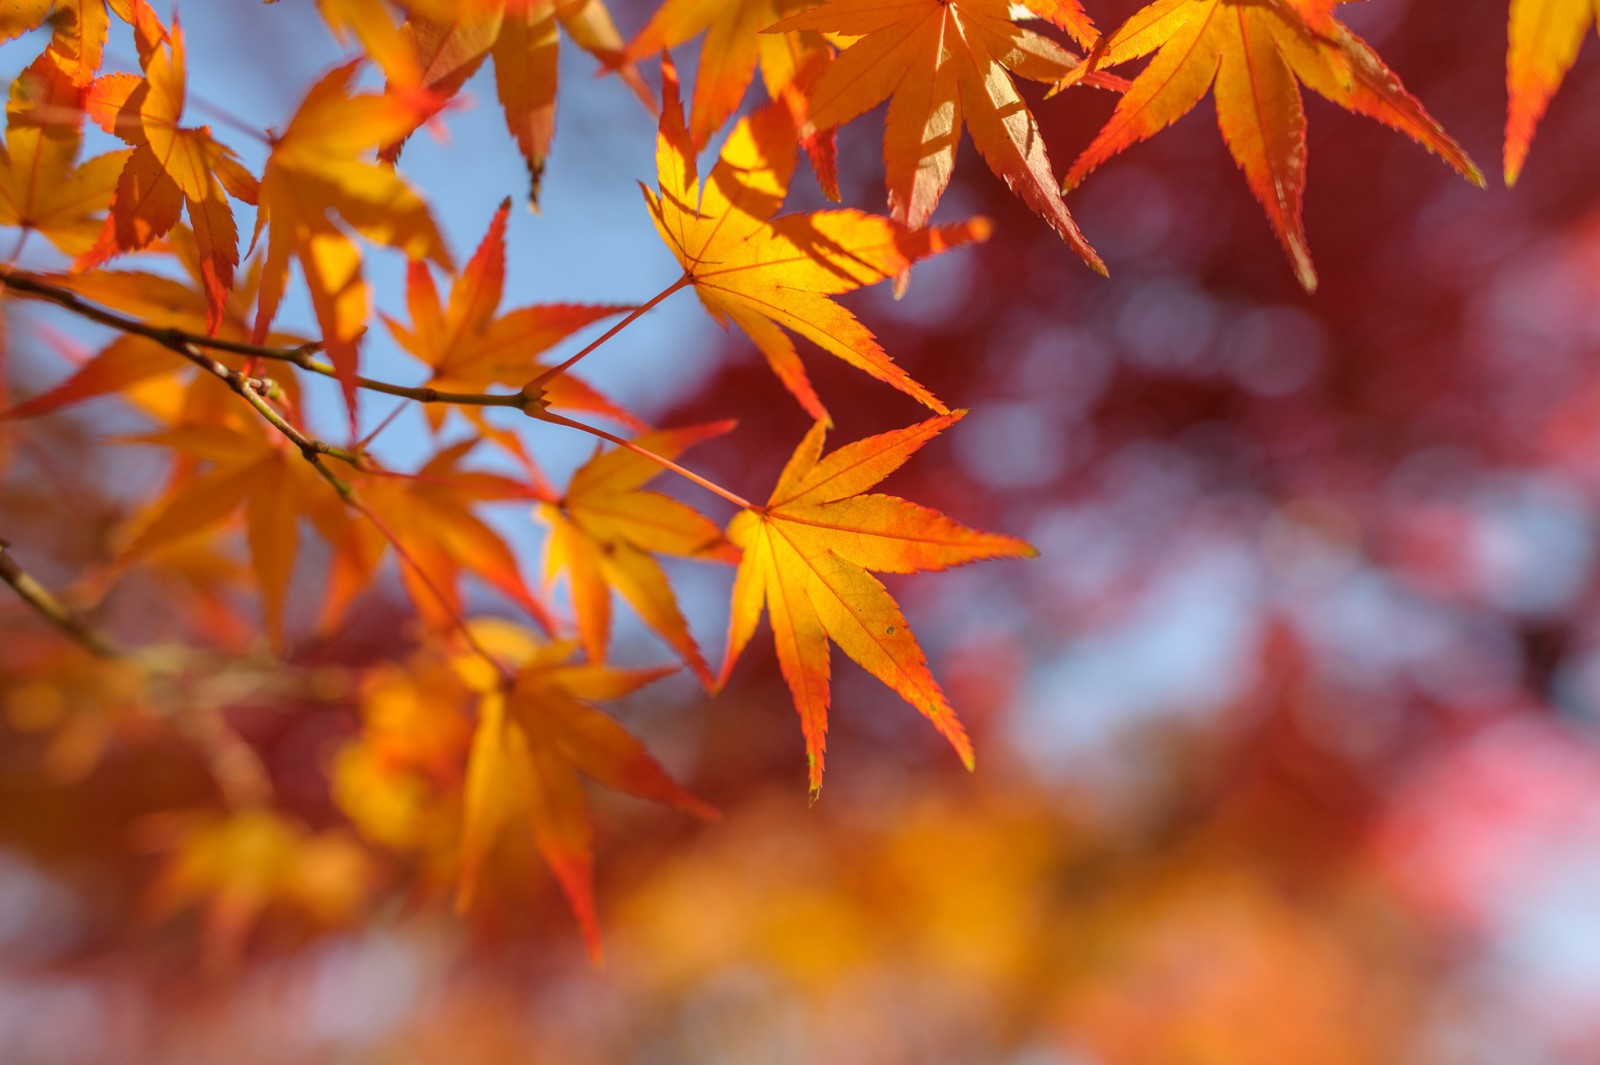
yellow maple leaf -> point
(315, 169)
(767, 276)
(604, 530)
(807, 554)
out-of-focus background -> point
(1286, 742)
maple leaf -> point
(77, 703)
(130, 362)
(41, 188)
(733, 47)
(1257, 54)
(602, 533)
(444, 42)
(469, 347)
(945, 64)
(21, 16)
(430, 513)
(239, 867)
(1545, 37)
(78, 30)
(313, 170)
(171, 169)
(245, 468)
(807, 554)
(763, 274)
(397, 779)
(533, 740)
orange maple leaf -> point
(78, 30)
(733, 47)
(532, 742)
(250, 862)
(315, 169)
(250, 469)
(20, 16)
(604, 529)
(41, 188)
(443, 43)
(763, 274)
(171, 168)
(945, 63)
(469, 347)
(1257, 54)
(1545, 37)
(400, 780)
(430, 513)
(129, 363)
(807, 553)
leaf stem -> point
(556, 371)
(16, 250)
(460, 623)
(711, 486)
(228, 118)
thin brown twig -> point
(44, 603)
(529, 400)
(231, 761)
(250, 390)
(297, 356)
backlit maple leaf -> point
(136, 365)
(443, 43)
(763, 274)
(316, 168)
(78, 30)
(470, 347)
(534, 739)
(431, 513)
(807, 553)
(239, 867)
(399, 782)
(604, 529)
(248, 466)
(1257, 54)
(41, 188)
(733, 46)
(945, 63)
(171, 169)
(20, 16)
(1545, 36)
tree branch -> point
(232, 762)
(183, 342)
(44, 602)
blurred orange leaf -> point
(533, 740)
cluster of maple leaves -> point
(200, 358)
